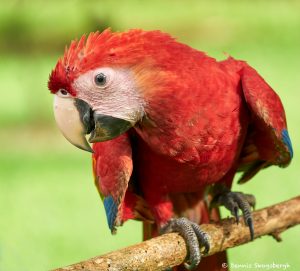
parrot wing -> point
(268, 141)
(113, 168)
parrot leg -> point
(193, 236)
(233, 201)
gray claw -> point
(193, 236)
(233, 201)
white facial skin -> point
(117, 96)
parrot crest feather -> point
(106, 48)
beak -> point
(108, 127)
(70, 116)
(75, 119)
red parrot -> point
(168, 123)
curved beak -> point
(76, 119)
(69, 118)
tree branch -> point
(169, 250)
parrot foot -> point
(233, 201)
(194, 237)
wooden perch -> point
(169, 250)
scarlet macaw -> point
(167, 122)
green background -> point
(51, 214)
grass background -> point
(51, 215)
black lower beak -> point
(108, 127)
(101, 127)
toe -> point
(184, 228)
(247, 213)
(250, 199)
(235, 201)
(202, 236)
(194, 238)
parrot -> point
(168, 127)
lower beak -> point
(107, 127)
(76, 119)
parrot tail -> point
(196, 211)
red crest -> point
(106, 48)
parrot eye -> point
(103, 77)
(63, 93)
(100, 79)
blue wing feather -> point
(287, 141)
(111, 209)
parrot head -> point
(95, 93)
(104, 83)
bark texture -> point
(169, 250)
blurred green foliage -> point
(51, 214)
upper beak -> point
(69, 118)
(75, 118)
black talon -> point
(193, 236)
(236, 214)
(249, 223)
